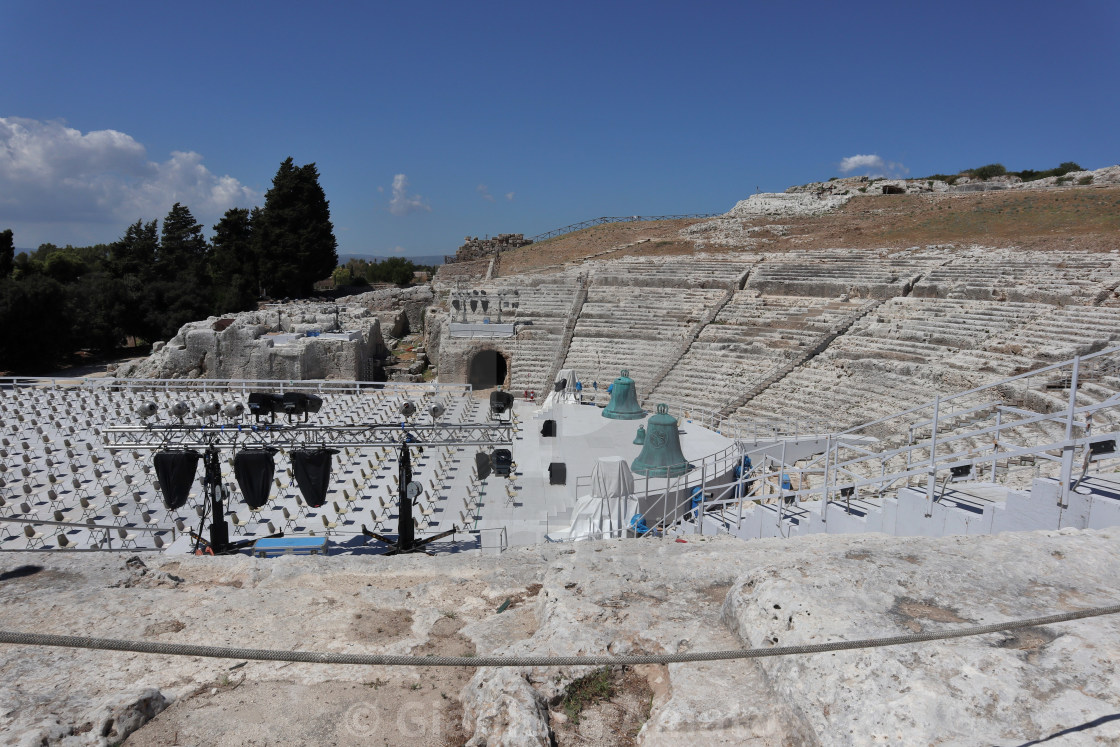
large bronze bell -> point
(624, 400)
(661, 453)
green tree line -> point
(147, 284)
(997, 169)
(395, 270)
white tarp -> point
(606, 512)
(567, 394)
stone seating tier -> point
(693, 272)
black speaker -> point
(254, 469)
(557, 473)
(312, 469)
(482, 464)
(175, 474)
(502, 462)
(549, 429)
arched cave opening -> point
(488, 369)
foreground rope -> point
(311, 657)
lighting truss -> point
(299, 435)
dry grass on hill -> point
(661, 238)
(1072, 218)
(1082, 218)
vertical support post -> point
(931, 482)
(1068, 449)
(781, 486)
(824, 483)
(740, 492)
(703, 483)
(909, 453)
(995, 446)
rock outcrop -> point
(299, 340)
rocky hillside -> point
(1075, 211)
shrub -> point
(987, 172)
(586, 691)
(1085, 180)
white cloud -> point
(403, 203)
(509, 196)
(873, 165)
(91, 184)
(484, 192)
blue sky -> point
(521, 117)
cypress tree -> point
(294, 234)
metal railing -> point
(974, 432)
(239, 386)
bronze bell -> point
(661, 453)
(640, 437)
(624, 400)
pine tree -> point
(182, 247)
(234, 268)
(294, 234)
(134, 255)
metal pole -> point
(824, 483)
(931, 482)
(781, 486)
(1068, 449)
(995, 446)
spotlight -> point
(408, 408)
(179, 410)
(298, 403)
(208, 410)
(146, 409)
(500, 402)
(233, 410)
(436, 410)
(264, 403)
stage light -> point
(233, 410)
(436, 410)
(500, 402)
(179, 410)
(146, 409)
(207, 410)
(408, 408)
(264, 403)
(298, 403)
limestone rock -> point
(505, 710)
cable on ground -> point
(311, 657)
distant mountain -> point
(423, 259)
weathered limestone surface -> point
(274, 343)
(636, 596)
